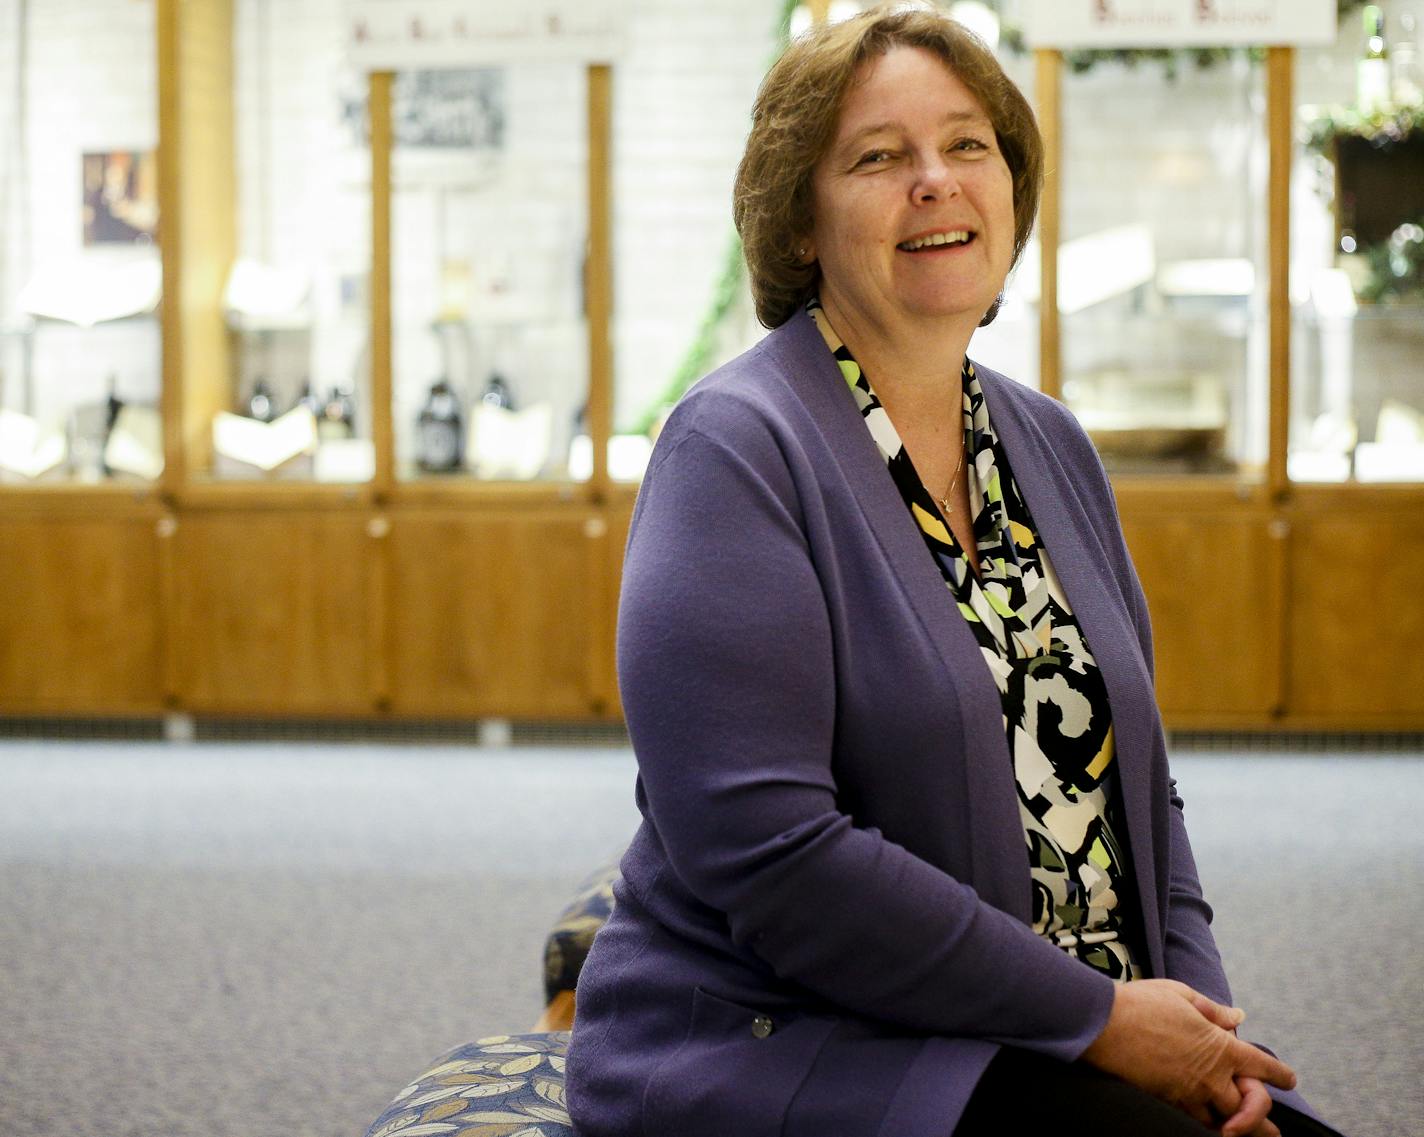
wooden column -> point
(1280, 70)
(382, 407)
(600, 271)
(198, 235)
(1048, 89)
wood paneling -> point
(1356, 618)
(79, 614)
(496, 614)
(1213, 584)
(272, 612)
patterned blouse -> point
(1055, 705)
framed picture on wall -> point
(120, 198)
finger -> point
(1252, 1062)
(1226, 1100)
(1228, 1018)
(1255, 1104)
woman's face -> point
(913, 203)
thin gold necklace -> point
(949, 493)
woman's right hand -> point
(1177, 1044)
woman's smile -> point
(940, 241)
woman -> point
(910, 847)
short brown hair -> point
(794, 122)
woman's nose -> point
(936, 181)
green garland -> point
(1396, 266)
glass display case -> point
(1357, 255)
(80, 277)
(1162, 263)
(489, 237)
(296, 403)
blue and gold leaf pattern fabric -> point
(1056, 715)
(501, 1086)
(571, 938)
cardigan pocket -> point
(736, 1071)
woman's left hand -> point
(1250, 1119)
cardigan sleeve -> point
(725, 659)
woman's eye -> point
(873, 158)
(969, 144)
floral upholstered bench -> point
(511, 1085)
(504, 1086)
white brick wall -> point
(92, 86)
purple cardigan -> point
(823, 922)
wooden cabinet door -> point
(80, 618)
(274, 612)
(1213, 579)
(1356, 632)
(620, 518)
(497, 614)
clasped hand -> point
(1179, 1046)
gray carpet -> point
(251, 939)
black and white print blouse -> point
(1056, 714)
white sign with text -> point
(396, 35)
(1179, 23)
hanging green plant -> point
(1382, 128)
(1396, 266)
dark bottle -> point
(497, 393)
(440, 443)
(261, 405)
(308, 399)
(337, 420)
(112, 406)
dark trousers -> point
(1024, 1092)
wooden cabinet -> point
(1356, 622)
(80, 609)
(496, 613)
(273, 611)
(620, 517)
(1211, 567)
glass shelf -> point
(1357, 400)
(297, 297)
(489, 235)
(1162, 266)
